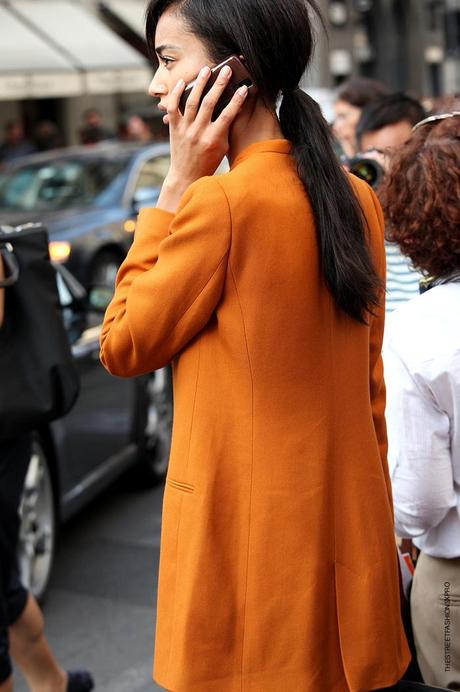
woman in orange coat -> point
(264, 287)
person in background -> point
(93, 129)
(47, 136)
(422, 373)
(385, 125)
(352, 97)
(138, 130)
(15, 143)
(22, 634)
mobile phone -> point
(240, 77)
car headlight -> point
(130, 226)
(59, 251)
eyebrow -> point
(166, 46)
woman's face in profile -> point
(180, 56)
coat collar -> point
(277, 146)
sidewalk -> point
(99, 611)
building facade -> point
(59, 58)
(412, 45)
(55, 67)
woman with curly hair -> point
(422, 372)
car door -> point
(96, 437)
(146, 181)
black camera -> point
(367, 169)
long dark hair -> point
(277, 41)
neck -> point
(254, 124)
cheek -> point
(368, 143)
(353, 118)
(344, 126)
(189, 71)
(339, 125)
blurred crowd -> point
(45, 135)
(372, 124)
(368, 117)
(409, 152)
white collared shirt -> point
(422, 374)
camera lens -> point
(368, 170)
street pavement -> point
(100, 609)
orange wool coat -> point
(278, 569)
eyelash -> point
(166, 61)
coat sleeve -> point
(170, 282)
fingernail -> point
(180, 83)
(205, 71)
(242, 91)
(226, 71)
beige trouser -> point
(435, 612)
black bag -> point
(39, 380)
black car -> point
(88, 198)
(116, 424)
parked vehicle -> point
(88, 198)
(116, 424)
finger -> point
(228, 115)
(173, 102)
(212, 97)
(193, 102)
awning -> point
(108, 64)
(131, 13)
(29, 66)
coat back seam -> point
(243, 642)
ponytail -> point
(340, 224)
(277, 40)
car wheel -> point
(105, 268)
(156, 421)
(37, 540)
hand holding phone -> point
(199, 138)
(239, 77)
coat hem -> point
(269, 682)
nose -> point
(157, 88)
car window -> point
(152, 173)
(61, 184)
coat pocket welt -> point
(178, 485)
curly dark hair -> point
(420, 198)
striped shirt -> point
(402, 280)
